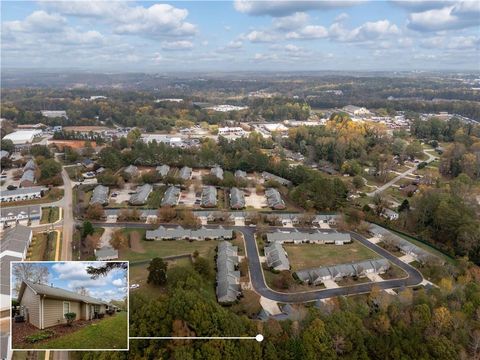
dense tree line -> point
(439, 323)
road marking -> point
(57, 249)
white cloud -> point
(458, 16)
(265, 57)
(38, 21)
(158, 20)
(292, 48)
(456, 42)
(309, 32)
(366, 32)
(259, 36)
(177, 45)
(341, 17)
(291, 22)
(283, 8)
(235, 44)
(119, 282)
(421, 5)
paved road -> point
(258, 280)
(401, 176)
(68, 221)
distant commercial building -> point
(163, 170)
(22, 137)
(274, 199)
(54, 113)
(170, 198)
(277, 257)
(356, 110)
(228, 278)
(22, 194)
(100, 195)
(237, 199)
(231, 131)
(140, 196)
(268, 176)
(209, 196)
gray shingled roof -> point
(240, 174)
(209, 196)
(30, 165)
(163, 170)
(237, 198)
(131, 170)
(5, 273)
(274, 199)
(278, 179)
(185, 173)
(228, 279)
(314, 276)
(179, 233)
(32, 210)
(55, 292)
(170, 198)
(404, 245)
(141, 195)
(217, 171)
(99, 195)
(15, 239)
(28, 175)
(315, 236)
(276, 257)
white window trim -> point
(63, 308)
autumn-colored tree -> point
(95, 212)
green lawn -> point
(305, 256)
(164, 248)
(110, 333)
(50, 215)
(43, 247)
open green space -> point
(306, 256)
(162, 248)
(50, 215)
(110, 333)
(43, 246)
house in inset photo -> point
(62, 305)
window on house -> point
(66, 307)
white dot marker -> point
(259, 337)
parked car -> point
(11, 187)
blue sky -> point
(241, 35)
(71, 275)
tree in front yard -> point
(87, 228)
(70, 317)
(157, 272)
(95, 212)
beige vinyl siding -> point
(53, 311)
(31, 301)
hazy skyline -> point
(241, 35)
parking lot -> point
(255, 200)
(7, 178)
(119, 196)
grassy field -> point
(164, 248)
(43, 247)
(50, 215)
(307, 256)
(110, 333)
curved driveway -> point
(258, 280)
